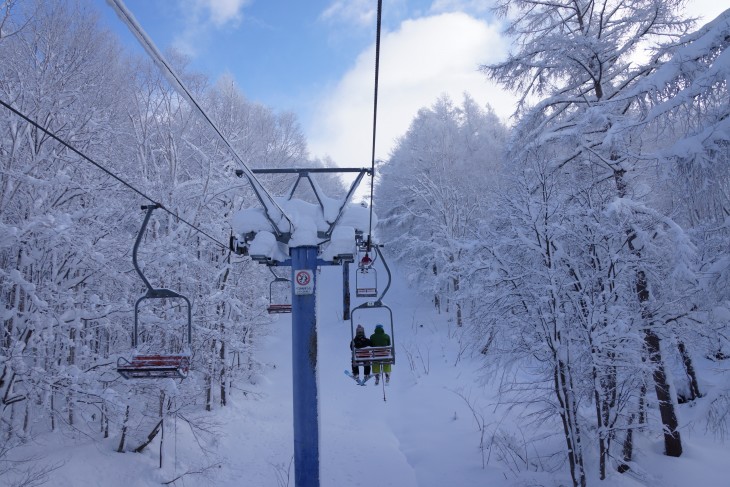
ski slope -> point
(424, 434)
(365, 440)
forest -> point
(584, 248)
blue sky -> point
(316, 58)
(278, 51)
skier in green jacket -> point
(380, 339)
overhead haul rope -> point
(90, 160)
(375, 121)
(126, 16)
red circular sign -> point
(302, 278)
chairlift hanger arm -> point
(277, 278)
(149, 209)
(305, 172)
(387, 270)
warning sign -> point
(303, 282)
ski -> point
(349, 374)
(360, 382)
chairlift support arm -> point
(305, 172)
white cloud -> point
(422, 60)
(202, 17)
(471, 6)
(221, 12)
(359, 12)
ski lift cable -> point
(375, 119)
(91, 161)
(126, 16)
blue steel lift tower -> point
(304, 259)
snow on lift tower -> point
(264, 243)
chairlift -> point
(155, 365)
(279, 295)
(366, 277)
(368, 314)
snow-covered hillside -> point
(426, 433)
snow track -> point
(357, 444)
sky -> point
(316, 58)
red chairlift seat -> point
(279, 308)
(374, 355)
(154, 366)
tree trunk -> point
(208, 391)
(628, 448)
(604, 393)
(105, 419)
(222, 358)
(672, 440)
(70, 405)
(53, 409)
(120, 448)
(150, 437)
(694, 387)
(571, 430)
(26, 418)
(642, 403)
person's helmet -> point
(378, 326)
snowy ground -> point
(425, 434)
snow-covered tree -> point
(58, 254)
(67, 283)
(576, 71)
(432, 188)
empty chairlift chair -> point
(279, 295)
(156, 364)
